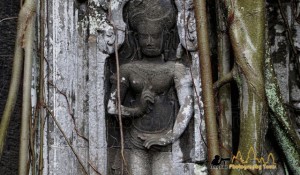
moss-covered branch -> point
(281, 124)
(287, 146)
(276, 104)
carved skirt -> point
(157, 122)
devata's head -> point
(151, 19)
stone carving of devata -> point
(161, 103)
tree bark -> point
(246, 21)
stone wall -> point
(80, 37)
(79, 41)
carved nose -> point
(149, 43)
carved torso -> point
(140, 75)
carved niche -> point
(156, 87)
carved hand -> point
(147, 99)
(161, 140)
(145, 106)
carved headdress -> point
(145, 13)
(150, 16)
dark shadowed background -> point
(9, 159)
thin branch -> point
(65, 137)
(41, 85)
(69, 111)
(118, 91)
(9, 18)
(224, 80)
(41, 156)
(94, 168)
(288, 29)
(119, 103)
(289, 36)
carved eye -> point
(81, 1)
(156, 35)
(142, 36)
(146, 36)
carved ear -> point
(138, 55)
(128, 49)
(174, 38)
(166, 44)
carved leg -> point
(162, 163)
(139, 162)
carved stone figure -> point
(156, 88)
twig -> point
(69, 111)
(289, 37)
(41, 87)
(65, 137)
(288, 29)
(41, 156)
(224, 80)
(119, 102)
(9, 18)
(94, 168)
(118, 91)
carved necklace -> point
(148, 74)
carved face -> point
(150, 39)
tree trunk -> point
(247, 33)
(224, 93)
